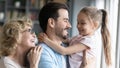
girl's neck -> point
(90, 34)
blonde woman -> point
(16, 39)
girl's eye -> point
(78, 22)
(83, 23)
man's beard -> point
(60, 34)
(65, 37)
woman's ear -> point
(51, 22)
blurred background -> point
(10, 9)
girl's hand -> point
(34, 56)
(42, 37)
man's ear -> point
(51, 22)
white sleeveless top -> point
(6, 62)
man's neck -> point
(54, 38)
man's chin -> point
(65, 37)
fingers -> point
(38, 49)
(35, 51)
(34, 55)
(42, 37)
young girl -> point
(82, 48)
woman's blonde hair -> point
(10, 34)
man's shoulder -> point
(47, 50)
(45, 46)
(48, 57)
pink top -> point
(75, 60)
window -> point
(112, 7)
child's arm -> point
(63, 50)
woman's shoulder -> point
(2, 65)
(5, 62)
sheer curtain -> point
(118, 40)
(112, 7)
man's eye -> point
(66, 20)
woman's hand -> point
(34, 56)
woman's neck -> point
(18, 58)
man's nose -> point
(69, 25)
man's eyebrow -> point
(66, 18)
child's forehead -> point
(82, 16)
